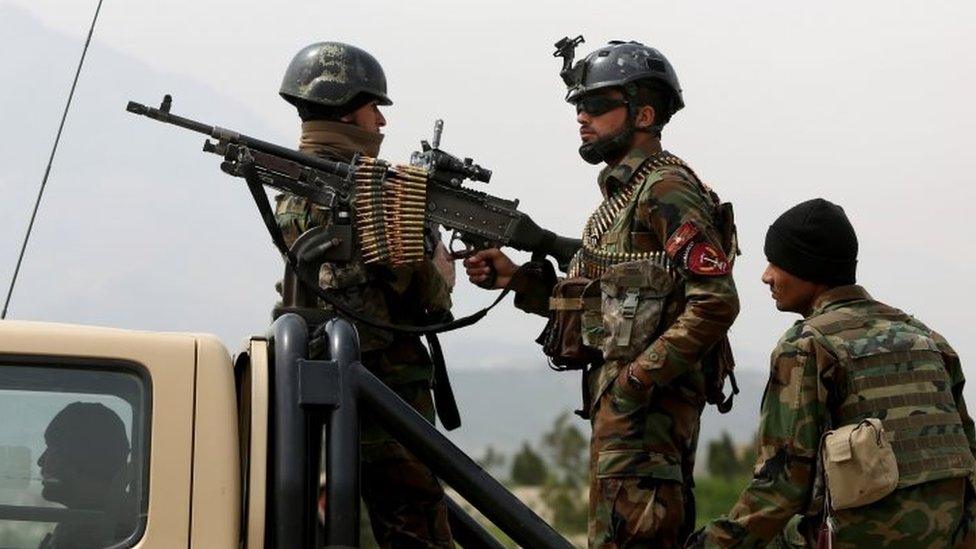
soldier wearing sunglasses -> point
(660, 250)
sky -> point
(867, 104)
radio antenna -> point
(50, 161)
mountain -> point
(137, 228)
(502, 408)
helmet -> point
(332, 74)
(618, 64)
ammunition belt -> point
(390, 210)
(591, 261)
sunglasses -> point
(598, 104)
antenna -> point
(50, 161)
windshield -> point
(73, 454)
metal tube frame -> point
(288, 516)
(342, 479)
(302, 408)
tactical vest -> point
(895, 372)
(609, 237)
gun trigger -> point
(459, 253)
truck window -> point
(74, 447)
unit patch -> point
(681, 238)
(704, 259)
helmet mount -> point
(619, 64)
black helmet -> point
(618, 64)
(332, 74)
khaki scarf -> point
(341, 139)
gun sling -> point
(444, 402)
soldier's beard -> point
(612, 147)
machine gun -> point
(386, 205)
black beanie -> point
(815, 241)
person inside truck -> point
(84, 468)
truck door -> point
(253, 408)
(96, 436)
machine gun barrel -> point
(162, 114)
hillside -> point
(503, 407)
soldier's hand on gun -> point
(480, 265)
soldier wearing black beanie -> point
(852, 361)
(814, 241)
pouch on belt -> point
(567, 339)
(859, 464)
(633, 299)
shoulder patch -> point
(681, 238)
(705, 259)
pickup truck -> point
(120, 438)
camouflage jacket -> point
(701, 308)
(805, 395)
(704, 308)
(697, 315)
(406, 294)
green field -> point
(714, 496)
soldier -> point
(337, 90)
(661, 246)
(83, 467)
(852, 358)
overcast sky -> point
(867, 104)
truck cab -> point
(120, 438)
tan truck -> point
(119, 438)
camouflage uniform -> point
(853, 358)
(642, 450)
(404, 499)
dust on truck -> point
(120, 438)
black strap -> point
(444, 401)
(586, 409)
(726, 405)
(264, 207)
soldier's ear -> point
(645, 117)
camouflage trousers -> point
(933, 515)
(404, 500)
(630, 504)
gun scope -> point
(466, 168)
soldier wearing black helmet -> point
(659, 253)
(337, 90)
(641, 76)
